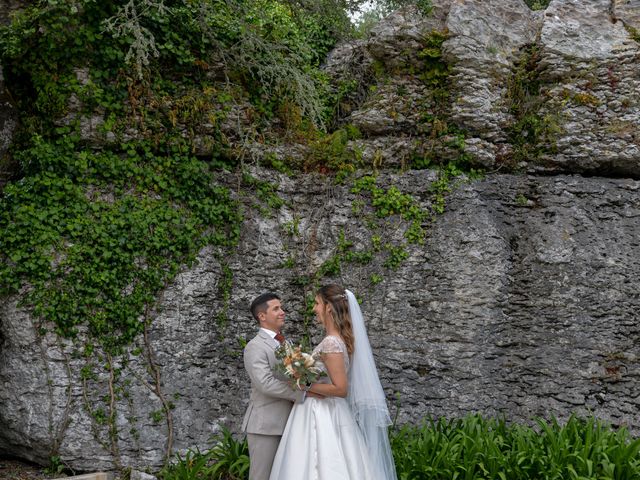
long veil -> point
(367, 399)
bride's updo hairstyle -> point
(336, 297)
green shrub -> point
(472, 447)
(228, 459)
(537, 4)
(477, 448)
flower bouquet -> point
(297, 365)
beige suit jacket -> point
(271, 399)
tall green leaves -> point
(228, 459)
(477, 448)
(469, 448)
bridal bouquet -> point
(297, 365)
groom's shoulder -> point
(254, 342)
(256, 347)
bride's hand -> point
(312, 394)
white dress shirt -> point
(272, 334)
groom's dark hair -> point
(260, 304)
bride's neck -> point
(332, 331)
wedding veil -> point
(367, 399)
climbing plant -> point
(110, 201)
(113, 196)
(538, 4)
(533, 131)
(93, 236)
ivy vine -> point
(94, 236)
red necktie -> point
(279, 337)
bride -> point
(340, 431)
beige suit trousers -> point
(262, 451)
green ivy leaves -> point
(393, 202)
(95, 235)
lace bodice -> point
(331, 344)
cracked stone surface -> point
(523, 300)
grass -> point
(463, 449)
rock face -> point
(591, 62)
(554, 91)
(522, 301)
(562, 83)
(485, 39)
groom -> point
(271, 399)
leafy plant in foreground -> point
(228, 459)
(477, 448)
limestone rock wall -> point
(553, 91)
(580, 103)
(590, 67)
(523, 301)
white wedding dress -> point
(322, 440)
